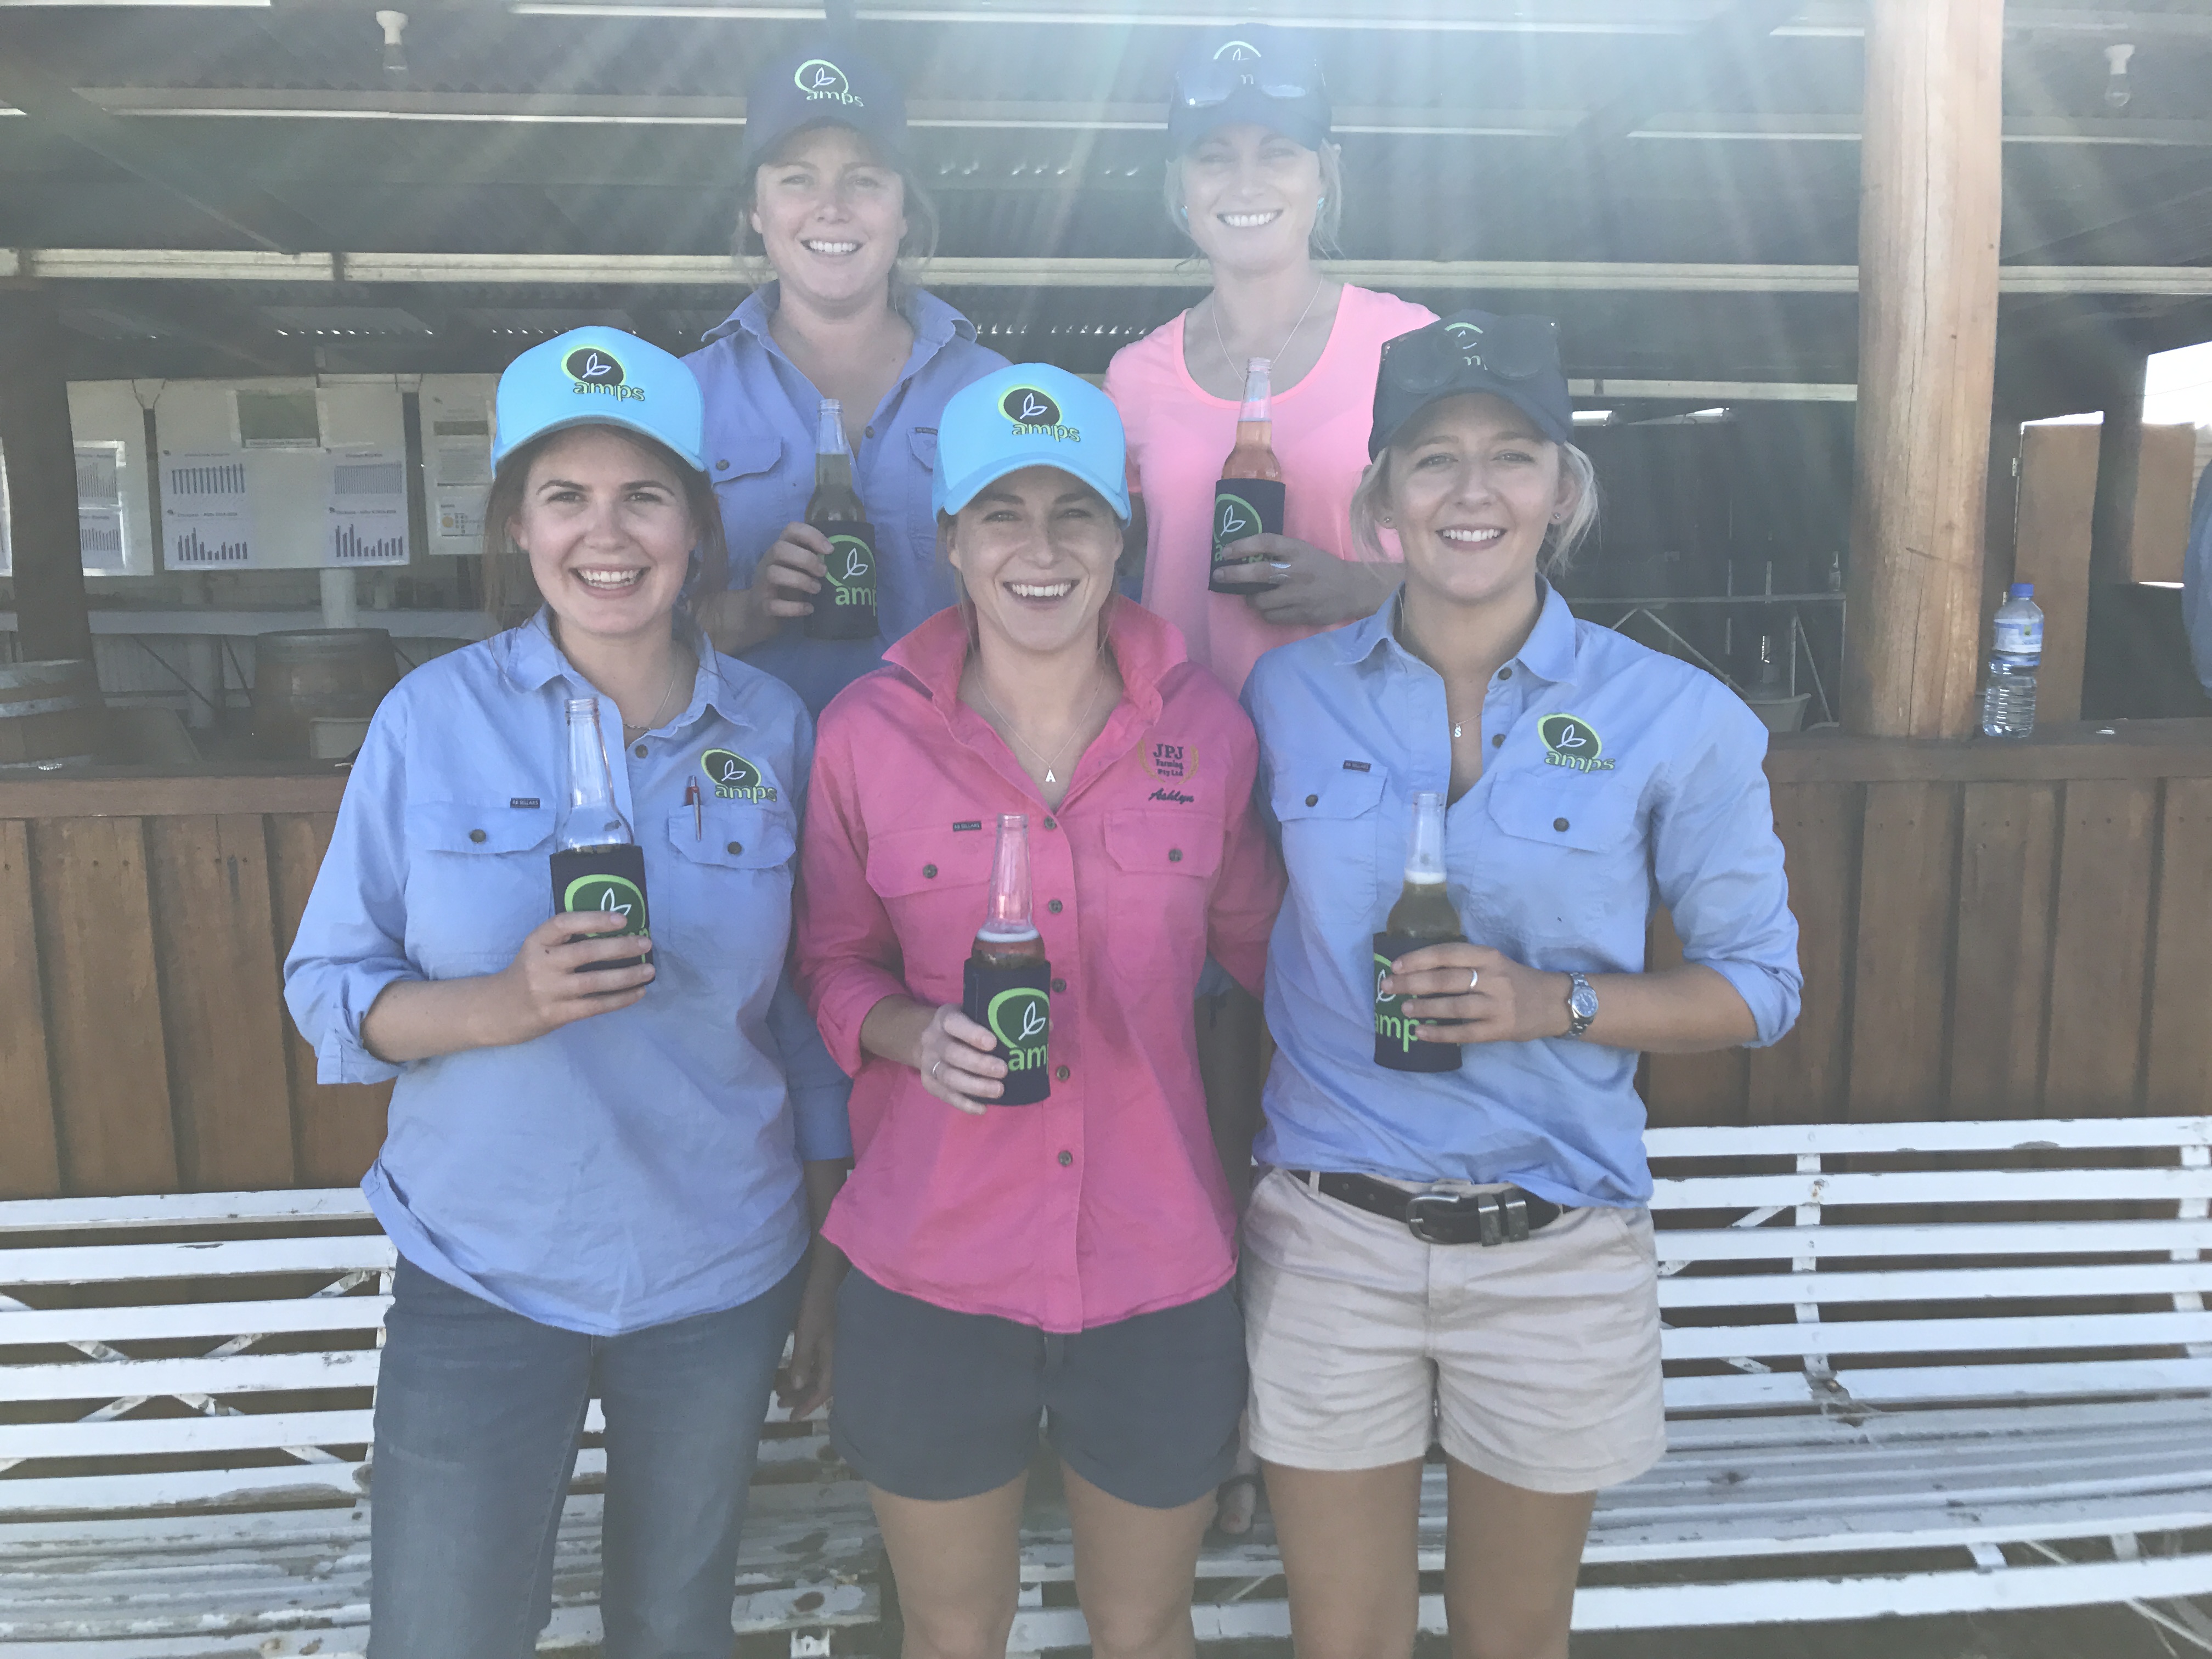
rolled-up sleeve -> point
(351, 939)
(818, 1089)
(1718, 866)
(848, 950)
(1249, 889)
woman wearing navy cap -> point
(1466, 1254)
(832, 197)
(599, 1183)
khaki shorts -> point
(1535, 1363)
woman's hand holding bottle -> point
(1305, 584)
(956, 1057)
(789, 575)
(545, 987)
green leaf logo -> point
(817, 78)
(1234, 518)
(1569, 738)
(615, 895)
(1021, 1018)
(852, 561)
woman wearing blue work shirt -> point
(834, 201)
(600, 1184)
(1469, 1249)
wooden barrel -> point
(316, 673)
(51, 714)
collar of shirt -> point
(1549, 652)
(532, 659)
(935, 324)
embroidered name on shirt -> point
(967, 824)
(735, 778)
(523, 800)
(1572, 743)
(1172, 762)
(1176, 795)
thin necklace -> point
(675, 679)
(1052, 761)
(1319, 282)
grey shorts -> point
(934, 1404)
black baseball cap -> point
(822, 80)
(1256, 73)
(1516, 358)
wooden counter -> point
(2015, 929)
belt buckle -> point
(1499, 1218)
(1418, 1208)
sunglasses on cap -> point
(1214, 83)
(1514, 349)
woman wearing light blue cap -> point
(1071, 1259)
(600, 1184)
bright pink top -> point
(1180, 434)
(1106, 1200)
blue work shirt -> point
(762, 414)
(630, 1167)
(1553, 857)
(2197, 582)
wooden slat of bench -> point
(269, 1317)
(1906, 1385)
(149, 1437)
(233, 1374)
(180, 1488)
(1716, 1437)
(1931, 1239)
(121, 1264)
(54, 1215)
(1946, 1186)
(2006, 1135)
(2123, 1278)
(1994, 1333)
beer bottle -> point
(1007, 984)
(1422, 915)
(845, 609)
(1248, 499)
(597, 863)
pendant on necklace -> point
(1455, 731)
(1048, 777)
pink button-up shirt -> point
(1106, 1200)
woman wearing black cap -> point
(832, 197)
(1465, 1254)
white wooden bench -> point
(185, 1386)
(1911, 1368)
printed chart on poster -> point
(102, 541)
(457, 423)
(367, 508)
(206, 520)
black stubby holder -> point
(1015, 1005)
(1396, 1049)
(845, 609)
(603, 879)
(1241, 507)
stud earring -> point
(1320, 204)
(1384, 519)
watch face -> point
(1583, 1002)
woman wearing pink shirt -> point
(1072, 1258)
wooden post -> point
(1929, 166)
(2119, 465)
(41, 461)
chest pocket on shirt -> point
(730, 883)
(477, 882)
(935, 885)
(1570, 859)
(750, 497)
(1332, 824)
(1164, 862)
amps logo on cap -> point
(615, 895)
(819, 78)
(1236, 51)
(734, 777)
(1572, 743)
(1468, 337)
(1021, 1018)
(1036, 413)
(595, 368)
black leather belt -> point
(1506, 1216)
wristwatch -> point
(1582, 1005)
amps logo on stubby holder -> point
(596, 369)
(1021, 1018)
(616, 895)
(1572, 743)
(852, 569)
(734, 777)
(1234, 518)
(1036, 413)
(820, 79)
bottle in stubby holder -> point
(1248, 499)
(1008, 985)
(597, 863)
(1422, 915)
(845, 609)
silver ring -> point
(935, 1067)
(1474, 977)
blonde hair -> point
(1328, 217)
(1560, 540)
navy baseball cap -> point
(1256, 73)
(599, 377)
(823, 80)
(1029, 415)
(1516, 358)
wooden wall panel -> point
(1688, 1089)
(1999, 991)
(222, 1002)
(2051, 548)
(30, 1156)
(1801, 1078)
(1908, 856)
(2177, 1070)
(335, 1129)
(96, 937)
(2100, 949)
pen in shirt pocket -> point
(698, 812)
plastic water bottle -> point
(2008, 693)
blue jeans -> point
(477, 1415)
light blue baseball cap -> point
(599, 377)
(1029, 415)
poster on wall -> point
(102, 540)
(206, 524)
(456, 457)
(367, 507)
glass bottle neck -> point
(1009, 916)
(1425, 844)
(589, 816)
(830, 430)
(1254, 407)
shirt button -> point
(1558, 823)
(1053, 906)
(1066, 1159)
(1505, 673)
(721, 466)
(929, 872)
(1313, 800)
(737, 847)
(1059, 984)
(867, 432)
(639, 751)
(477, 836)
(1175, 855)
(1060, 1075)
(1051, 824)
